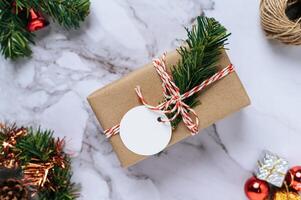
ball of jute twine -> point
(276, 23)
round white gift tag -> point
(142, 133)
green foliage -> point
(68, 13)
(199, 58)
(40, 146)
(65, 190)
(15, 39)
(37, 144)
(205, 42)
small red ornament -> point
(36, 21)
(293, 178)
(256, 189)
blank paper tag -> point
(142, 133)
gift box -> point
(272, 169)
(112, 102)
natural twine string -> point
(276, 23)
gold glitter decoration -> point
(13, 135)
(10, 161)
(2, 126)
(36, 174)
(286, 195)
(7, 156)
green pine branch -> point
(15, 39)
(68, 13)
(41, 146)
(199, 59)
(37, 144)
(20, 5)
(65, 190)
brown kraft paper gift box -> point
(110, 103)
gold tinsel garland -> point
(36, 173)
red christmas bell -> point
(36, 21)
(293, 178)
(256, 189)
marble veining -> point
(119, 36)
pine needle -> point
(42, 147)
(199, 59)
(15, 39)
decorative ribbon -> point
(174, 99)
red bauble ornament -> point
(293, 178)
(256, 189)
(36, 21)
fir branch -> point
(14, 37)
(68, 13)
(199, 59)
(41, 147)
(37, 144)
(61, 181)
(4, 5)
(20, 5)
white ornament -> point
(142, 132)
(272, 169)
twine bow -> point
(174, 103)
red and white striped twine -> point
(174, 100)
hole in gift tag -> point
(141, 133)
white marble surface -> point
(120, 35)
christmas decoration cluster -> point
(40, 168)
(19, 19)
(274, 180)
